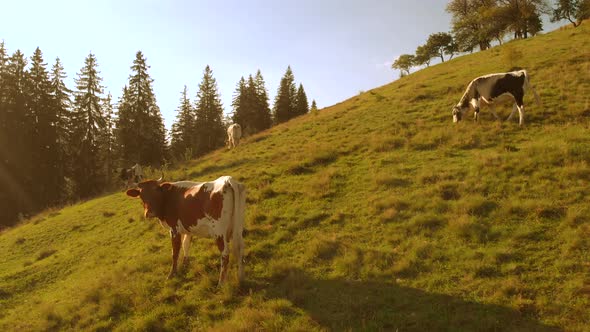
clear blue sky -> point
(335, 47)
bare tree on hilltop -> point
(575, 11)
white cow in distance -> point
(234, 133)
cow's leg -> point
(238, 251)
(520, 115)
(520, 104)
(493, 109)
(175, 237)
(223, 246)
(514, 108)
(475, 104)
(186, 244)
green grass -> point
(374, 214)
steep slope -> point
(374, 214)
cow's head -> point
(457, 113)
(152, 196)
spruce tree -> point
(263, 116)
(3, 102)
(11, 196)
(3, 86)
(239, 103)
(15, 141)
(143, 137)
(209, 129)
(250, 104)
(107, 140)
(314, 107)
(182, 135)
(43, 141)
(88, 124)
(284, 107)
(62, 106)
(250, 108)
(301, 105)
(127, 143)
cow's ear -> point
(166, 186)
(132, 192)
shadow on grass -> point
(341, 305)
(217, 168)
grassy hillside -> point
(374, 214)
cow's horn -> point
(161, 178)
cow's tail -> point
(238, 220)
(532, 87)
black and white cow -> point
(494, 88)
(131, 175)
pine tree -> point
(62, 106)
(3, 85)
(15, 136)
(141, 132)
(3, 100)
(127, 144)
(44, 143)
(263, 117)
(239, 103)
(11, 196)
(88, 124)
(107, 140)
(314, 107)
(284, 107)
(210, 133)
(250, 108)
(182, 135)
(301, 104)
(250, 104)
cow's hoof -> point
(170, 275)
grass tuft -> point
(45, 253)
(470, 229)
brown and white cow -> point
(494, 88)
(234, 133)
(203, 209)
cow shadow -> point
(343, 305)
